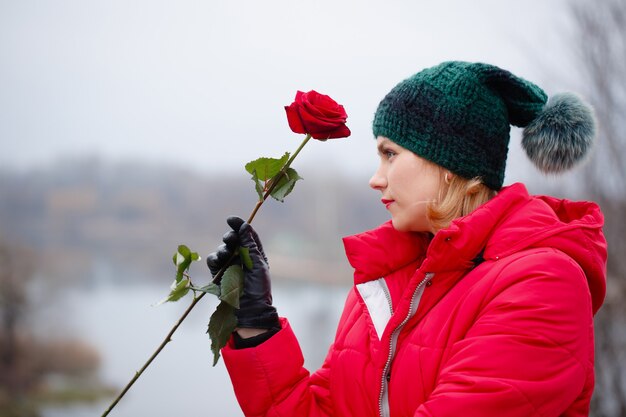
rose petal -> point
(324, 104)
(340, 132)
(313, 124)
(314, 116)
(294, 120)
(323, 107)
(319, 106)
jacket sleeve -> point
(270, 380)
(529, 351)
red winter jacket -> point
(430, 330)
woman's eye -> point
(389, 153)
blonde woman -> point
(474, 299)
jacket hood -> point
(510, 222)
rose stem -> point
(216, 279)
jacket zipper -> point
(383, 399)
(385, 288)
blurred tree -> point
(601, 57)
(16, 269)
(28, 364)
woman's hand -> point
(256, 313)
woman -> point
(474, 300)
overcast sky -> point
(203, 83)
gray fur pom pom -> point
(561, 135)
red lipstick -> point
(386, 202)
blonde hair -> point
(458, 197)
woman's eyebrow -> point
(382, 145)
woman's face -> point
(408, 184)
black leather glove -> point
(255, 304)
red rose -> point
(318, 115)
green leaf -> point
(221, 325)
(258, 186)
(178, 258)
(266, 168)
(212, 288)
(285, 184)
(232, 285)
(180, 269)
(178, 290)
(184, 250)
(244, 253)
(182, 259)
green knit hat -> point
(458, 115)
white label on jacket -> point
(376, 298)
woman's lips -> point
(386, 202)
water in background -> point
(122, 322)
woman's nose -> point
(378, 181)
